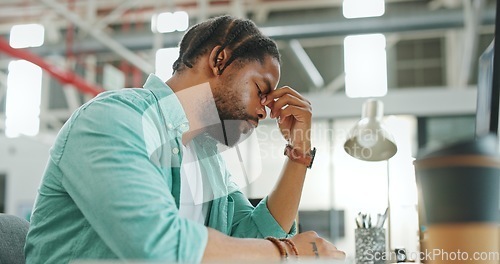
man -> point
(136, 174)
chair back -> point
(13, 231)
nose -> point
(261, 112)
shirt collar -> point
(169, 104)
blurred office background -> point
(419, 57)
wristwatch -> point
(302, 158)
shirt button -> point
(175, 150)
(169, 126)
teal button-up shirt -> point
(111, 186)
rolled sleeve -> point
(256, 222)
(266, 223)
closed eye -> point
(259, 91)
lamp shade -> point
(368, 140)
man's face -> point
(238, 93)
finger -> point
(271, 112)
(287, 99)
(330, 244)
(280, 92)
(330, 251)
(301, 114)
(312, 233)
(338, 254)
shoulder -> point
(112, 114)
(139, 98)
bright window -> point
(165, 58)
(24, 85)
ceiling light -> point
(25, 36)
(170, 22)
(363, 8)
(365, 65)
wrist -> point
(301, 147)
(280, 246)
(303, 157)
(291, 248)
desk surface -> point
(348, 260)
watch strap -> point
(302, 158)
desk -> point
(302, 261)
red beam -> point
(65, 77)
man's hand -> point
(294, 114)
(309, 244)
(221, 247)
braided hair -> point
(241, 36)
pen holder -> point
(370, 245)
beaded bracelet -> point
(281, 248)
(292, 245)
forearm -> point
(229, 249)
(294, 116)
(222, 247)
(283, 202)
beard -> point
(232, 114)
(229, 132)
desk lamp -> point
(368, 140)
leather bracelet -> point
(292, 245)
(281, 248)
(302, 158)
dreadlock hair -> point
(241, 36)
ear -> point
(217, 61)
